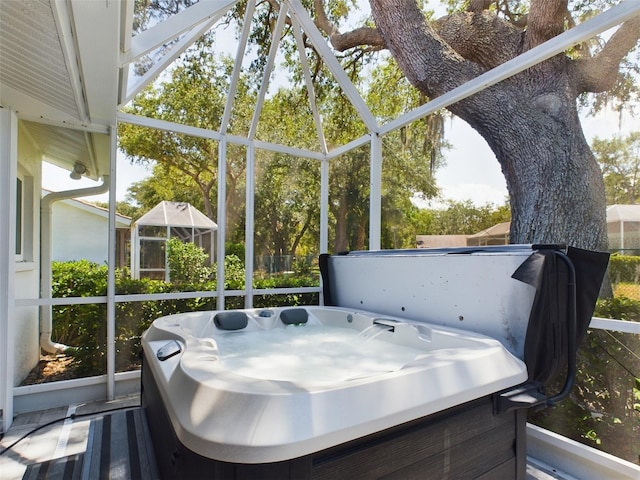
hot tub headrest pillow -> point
(294, 316)
(232, 320)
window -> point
(19, 218)
(24, 219)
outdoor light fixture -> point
(79, 169)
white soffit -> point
(34, 75)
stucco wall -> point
(27, 276)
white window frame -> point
(19, 250)
(24, 253)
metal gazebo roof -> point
(623, 213)
(176, 214)
(623, 227)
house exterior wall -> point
(27, 265)
(78, 234)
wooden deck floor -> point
(104, 440)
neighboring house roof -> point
(122, 221)
(498, 230)
(441, 241)
(176, 214)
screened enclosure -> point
(623, 228)
(243, 152)
(151, 233)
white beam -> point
(275, 41)
(160, 66)
(204, 133)
(332, 64)
(63, 16)
(237, 67)
(615, 325)
(311, 93)
(358, 142)
(84, 127)
(375, 193)
(168, 126)
(111, 262)
(126, 36)
(296, 152)
(222, 220)
(175, 26)
(249, 237)
(324, 206)
(126, 25)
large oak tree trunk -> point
(555, 185)
(530, 121)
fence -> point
(272, 264)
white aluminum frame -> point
(8, 175)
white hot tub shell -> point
(244, 414)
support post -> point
(111, 262)
(375, 192)
(249, 237)
(8, 178)
(222, 218)
(324, 206)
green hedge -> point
(83, 326)
(620, 308)
(624, 268)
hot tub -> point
(303, 390)
(435, 384)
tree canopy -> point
(619, 158)
(287, 188)
(530, 121)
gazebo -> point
(151, 232)
(623, 228)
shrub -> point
(620, 308)
(81, 321)
(602, 410)
(188, 263)
(624, 268)
(236, 249)
(233, 273)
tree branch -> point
(428, 62)
(545, 21)
(599, 73)
(479, 5)
(344, 41)
(519, 21)
(474, 36)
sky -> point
(473, 173)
